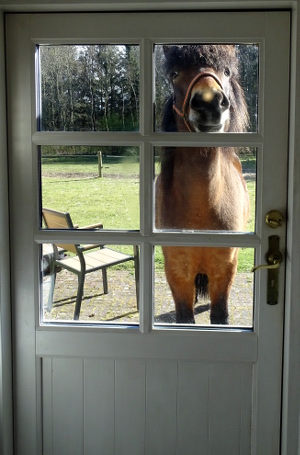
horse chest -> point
(203, 198)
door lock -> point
(274, 219)
(273, 259)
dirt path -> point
(119, 305)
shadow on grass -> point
(166, 318)
(170, 317)
(115, 318)
(72, 299)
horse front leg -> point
(184, 312)
(220, 278)
(219, 290)
(219, 309)
(183, 291)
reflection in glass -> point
(205, 188)
(94, 184)
(110, 285)
(89, 88)
(240, 300)
(209, 88)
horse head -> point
(206, 91)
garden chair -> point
(85, 259)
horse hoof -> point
(185, 320)
(219, 320)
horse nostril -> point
(225, 102)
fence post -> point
(100, 164)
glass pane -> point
(93, 184)
(89, 88)
(205, 188)
(114, 302)
(198, 279)
(206, 88)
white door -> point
(143, 384)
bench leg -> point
(81, 278)
(104, 278)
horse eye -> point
(227, 71)
(174, 74)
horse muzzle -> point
(208, 109)
(205, 106)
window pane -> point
(93, 184)
(204, 88)
(184, 270)
(89, 88)
(205, 188)
(114, 303)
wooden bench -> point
(85, 259)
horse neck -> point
(198, 161)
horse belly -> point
(187, 262)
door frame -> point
(291, 393)
(6, 389)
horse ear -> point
(166, 49)
(232, 50)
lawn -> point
(72, 184)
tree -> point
(57, 87)
(92, 87)
(96, 87)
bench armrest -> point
(91, 226)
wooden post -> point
(100, 164)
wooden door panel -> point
(142, 406)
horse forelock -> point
(216, 56)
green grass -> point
(85, 201)
(74, 164)
(70, 184)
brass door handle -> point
(273, 262)
(273, 259)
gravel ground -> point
(119, 305)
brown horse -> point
(202, 188)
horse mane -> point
(168, 119)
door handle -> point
(273, 259)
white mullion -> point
(146, 88)
(206, 139)
(146, 190)
(146, 128)
(217, 239)
(158, 139)
(146, 287)
(87, 138)
(201, 238)
(146, 186)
